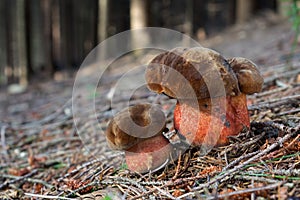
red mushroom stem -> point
(204, 125)
(150, 154)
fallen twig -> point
(272, 103)
(249, 190)
(18, 178)
(46, 196)
(3, 143)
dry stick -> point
(73, 192)
(124, 181)
(167, 194)
(29, 180)
(293, 141)
(46, 119)
(289, 112)
(132, 182)
(102, 169)
(4, 148)
(255, 178)
(178, 166)
(254, 141)
(268, 92)
(56, 141)
(239, 192)
(127, 186)
(169, 183)
(252, 193)
(239, 159)
(39, 181)
(291, 132)
(286, 172)
(115, 180)
(146, 193)
(273, 102)
(86, 164)
(249, 190)
(46, 196)
(281, 75)
(18, 178)
(246, 144)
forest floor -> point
(43, 157)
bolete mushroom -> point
(218, 86)
(138, 131)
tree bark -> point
(66, 8)
(56, 35)
(35, 40)
(138, 19)
(3, 47)
(102, 26)
(102, 19)
(46, 36)
(17, 41)
(188, 24)
(21, 41)
(243, 10)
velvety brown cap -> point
(188, 73)
(250, 80)
(134, 124)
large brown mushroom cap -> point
(250, 80)
(133, 125)
(186, 73)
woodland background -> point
(45, 155)
(41, 37)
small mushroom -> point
(249, 78)
(210, 92)
(138, 131)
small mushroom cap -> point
(250, 80)
(133, 125)
(186, 73)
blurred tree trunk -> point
(78, 27)
(138, 19)
(56, 35)
(47, 36)
(188, 22)
(243, 10)
(35, 39)
(3, 47)
(39, 37)
(102, 19)
(84, 29)
(66, 33)
(102, 25)
(17, 58)
(138, 13)
(21, 48)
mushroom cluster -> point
(216, 106)
(211, 103)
